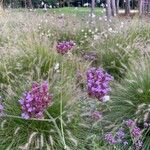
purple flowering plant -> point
(98, 83)
(110, 138)
(122, 135)
(36, 101)
(64, 47)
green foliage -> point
(36, 62)
(130, 98)
(133, 90)
(116, 54)
(29, 54)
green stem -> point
(17, 117)
(55, 124)
(61, 123)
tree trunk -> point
(30, 4)
(148, 10)
(108, 9)
(1, 6)
(92, 6)
(68, 3)
(127, 7)
(92, 9)
(140, 7)
(113, 7)
(117, 6)
(25, 3)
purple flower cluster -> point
(96, 115)
(119, 136)
(129, 123)
(64, 46)
(138, 144)
(36, 101)
(98, 83)
(146, 124)
(135, 131)
(110, 138)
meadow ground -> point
(54, 93)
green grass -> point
(79, 11)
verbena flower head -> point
(110, 138)
(138, 144)
(35, 101)
(64, 46)
(136, 132)
(120, 134)
(98, 83)
(146, 124)
(129, 123)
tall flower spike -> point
(35, 101)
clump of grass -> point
(130, 98)
(135, 87)
(116, 53)
(3, 40)
(59, 129)
(53, 129)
